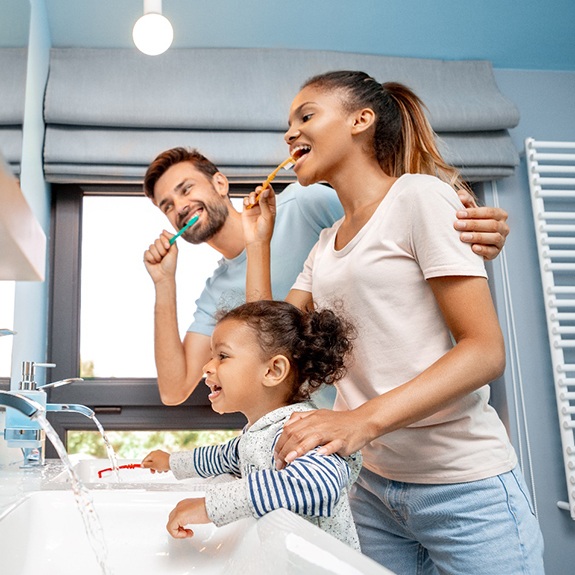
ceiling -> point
(529, 35)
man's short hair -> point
(174, 156)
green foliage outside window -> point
(137, 444)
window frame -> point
(122, 403)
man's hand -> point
(187, 511)
(157, 460)
(485, 228)
(160, 258)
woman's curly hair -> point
(317, 343)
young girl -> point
(440, 491)
(267, 358)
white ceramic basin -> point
(45, 534)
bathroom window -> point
(137, 444)
(101, 313)
(117, 293)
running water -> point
(110, 450)
(84, 501)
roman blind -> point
(109, 112)
(12, 95)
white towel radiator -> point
(551, 167)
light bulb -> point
(153, 34)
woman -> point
(440, 491)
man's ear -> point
(221, 184)
(277, 371)
(363, 120)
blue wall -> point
(531, 34)
(546, 101)
(31, 298)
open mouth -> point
(189, 216)
(300, 151)
(215, 391)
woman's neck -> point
(361, 188)
(360, 192)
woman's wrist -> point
(263, 245)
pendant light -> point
(153, 33)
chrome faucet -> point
(82, 409)
(22, 431)
(60, 382)
(23, 404)
(30, 438)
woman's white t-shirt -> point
(380, 278)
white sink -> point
(45, 534)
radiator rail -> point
(551, 170)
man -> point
(183, 183)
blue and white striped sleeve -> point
(207, 461)
(311, 486)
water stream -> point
(84, 501)
(109, 449)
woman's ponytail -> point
(417, 151)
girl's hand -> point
(157, 461)
(187, 511)
(334, 431)
(486, 229)
(258, 221)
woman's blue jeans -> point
(485, 527)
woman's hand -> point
(335, 431)
(187, 511)
(485, 228)
(157, 461)
(258, 220)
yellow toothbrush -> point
(287, 164)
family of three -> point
(390, 305)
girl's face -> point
(236, 371)
(319, 135)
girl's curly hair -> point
(317, 343)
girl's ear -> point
(277, 371)
(363, 120)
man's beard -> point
(217, 214)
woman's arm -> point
(258, 224)
(477, 358)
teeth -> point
(299, 151)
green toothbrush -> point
(188, 225)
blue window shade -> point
(109, 112)
(12, 95)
